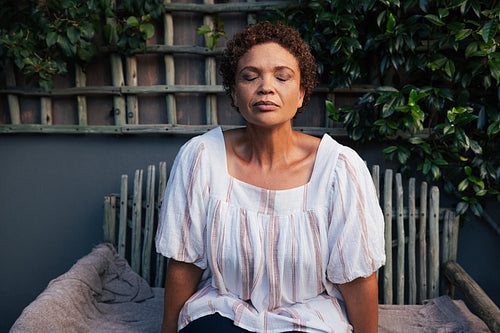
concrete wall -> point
(51, 208)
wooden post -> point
(478, 300)
(110, 219)
(434, 243)
(81, 81)
(412, 270)
(168, 27)
(210, 76)
(136, 222)
(422, 238)
(400, 283)
(13, 100)
(376, 179)
(132, 104)
(149, 224)
(122, 227)
(388, 237)
(46, 110)
(160, 260)
(119, 106)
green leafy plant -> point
(213, 33)
(437, 68)
(42, 37)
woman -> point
(268, 229)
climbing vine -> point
(437, 68)
(41, 37)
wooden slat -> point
(137, 222)
(132, 103)
(251, 17)
(328, 120)
(376, 179)
(400, 273)
(412, 270)
(13, 100)
(160, 260)
(230, 7)
(122, 225)
(168, 31)
(110, 219)
(117, 76)
(81, 81)
(147, 244)
(46, 110)
(151, 89)
(210, 75)
(434, 243)
(422, 239)
(146, 129)
(388, 295)
(477, 299)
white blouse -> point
(272, 258)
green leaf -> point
(462, 186)
(132, 21)
(148, 29)
(476, 148)
(73, 35)
(488, 31)
(440, 162)
(416, 140)
(204, 29)
(434, 20)
(468, 170)
(462, 207)
(389, 149)
(495, 69)
(51, 38)
(391, 22)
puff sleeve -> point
(356, 231)
(182, 220)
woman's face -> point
(267, 87)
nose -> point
(266, 86)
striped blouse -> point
(271, 258)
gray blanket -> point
(101, 293)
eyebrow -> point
(276, 69)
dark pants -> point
(213, 323)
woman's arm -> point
(361, 300)
(180, 284)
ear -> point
(301, 97)
(234, 96)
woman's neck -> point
(268, 147)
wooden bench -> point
(421, 239)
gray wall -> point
(51, 208)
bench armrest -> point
(478, 300)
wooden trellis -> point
(125, 90)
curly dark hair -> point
(266, 32)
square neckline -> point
(255, 187)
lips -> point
(265, 105)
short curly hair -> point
(266, 32)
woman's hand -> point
(180, 284)
(361, 300)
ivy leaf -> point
(148, 29)
(132, 21)
(73, 35)
(51, 38)
(204, 29)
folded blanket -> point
(101, 293)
